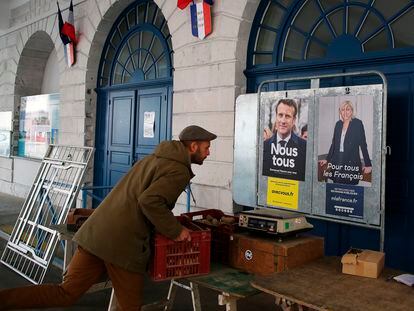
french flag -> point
(200, 19)
(69, 26)
(182, 4)
(68, 35)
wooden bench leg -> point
(283, 303)
(288, 305)
(113, 302)
(195, 297)
(171, 296)
(229, 301)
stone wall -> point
(208, 77)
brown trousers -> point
(84, 270)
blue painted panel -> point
(121, 121)
(399, 210)
(345, 46)
(120, 135)
(297, 85)
(140, 156)
(115, 176)
(120, 158)
(153, 101)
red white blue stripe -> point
(68, 35)
(200, 19)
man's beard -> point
(196, 158)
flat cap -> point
(196, 133)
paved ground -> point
(154, 291)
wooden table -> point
(231, 284)
(320, 285)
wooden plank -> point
(322, 286)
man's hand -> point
(184, 235)
(367, 169)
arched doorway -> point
(311, 37)
(134, 91)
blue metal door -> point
(134, 89)
(137, 123)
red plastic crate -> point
(172, 259)
(221, 234)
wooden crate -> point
(265, 255)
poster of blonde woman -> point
(345, 140)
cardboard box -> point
(363, 263)
(266, 255)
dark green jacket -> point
(119, 229)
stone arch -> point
(30, 71)
(243, 34)
(101, 30)
(32, 63)
(98, 20)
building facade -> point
(138, 61)
(202, 85)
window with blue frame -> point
(38, 124)
(138, 47)
(287, 30)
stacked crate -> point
(222, 228)
(171, 259)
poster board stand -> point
(251, 182)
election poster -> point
(345, 139)
(282, 193)
(284, 137)
(346, 201)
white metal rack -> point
(32, 243)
